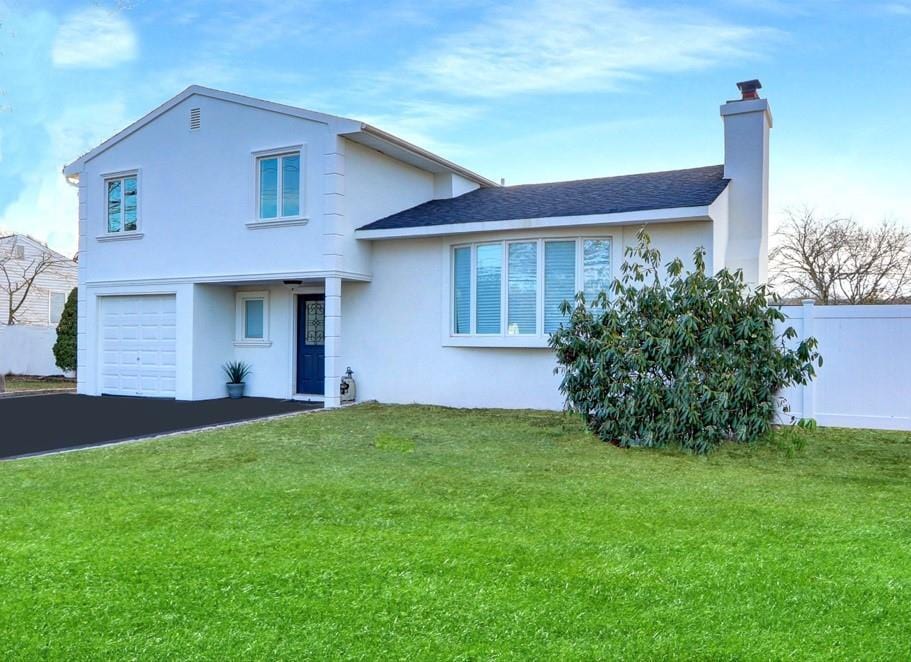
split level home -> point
(220, 227)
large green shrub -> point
(65, 347)
(672, 357)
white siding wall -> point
(196, 196)
(213, 339)
(377, 186)
(59, 278)
(392, 328)
(392, 342)
(273, 366)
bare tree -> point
(836, 260)
(18, 274)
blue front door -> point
(311, 351)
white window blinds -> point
(461, 300)
(489, 272)
(522, 294)
(559, 281)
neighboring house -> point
(221, 227)
(21, 257)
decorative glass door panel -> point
(315, 316)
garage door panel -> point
(149, 332)
(138, 345)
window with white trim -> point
(278, 186)
(122, 197)
(516, 287)
(252, 318)
(57, 302)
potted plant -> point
(237, 372)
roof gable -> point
(342, 123)
(34, 243)
(354, 129)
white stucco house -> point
(221, 227)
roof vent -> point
(195, 119)
(749, 89)
(18, 252)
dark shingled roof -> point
(694, 187)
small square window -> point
(252, 318)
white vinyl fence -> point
(28, 350)
(865, 379)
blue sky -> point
(529, 91)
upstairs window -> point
(516, 288)
(122, 204)
(278, 186)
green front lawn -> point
(417, 532)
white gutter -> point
(674, 215)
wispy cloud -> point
(45, 206)
(900, 8)
(421, 122)
(94, 38)
(577, 45)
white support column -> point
(333, 232)
(809, 389)
(333, 348)
(333, 203)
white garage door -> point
(139, 345)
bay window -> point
(516, 287)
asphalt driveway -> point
(38, 424)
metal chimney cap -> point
(748, 89)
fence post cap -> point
(808, 302)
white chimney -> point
(746, 163)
